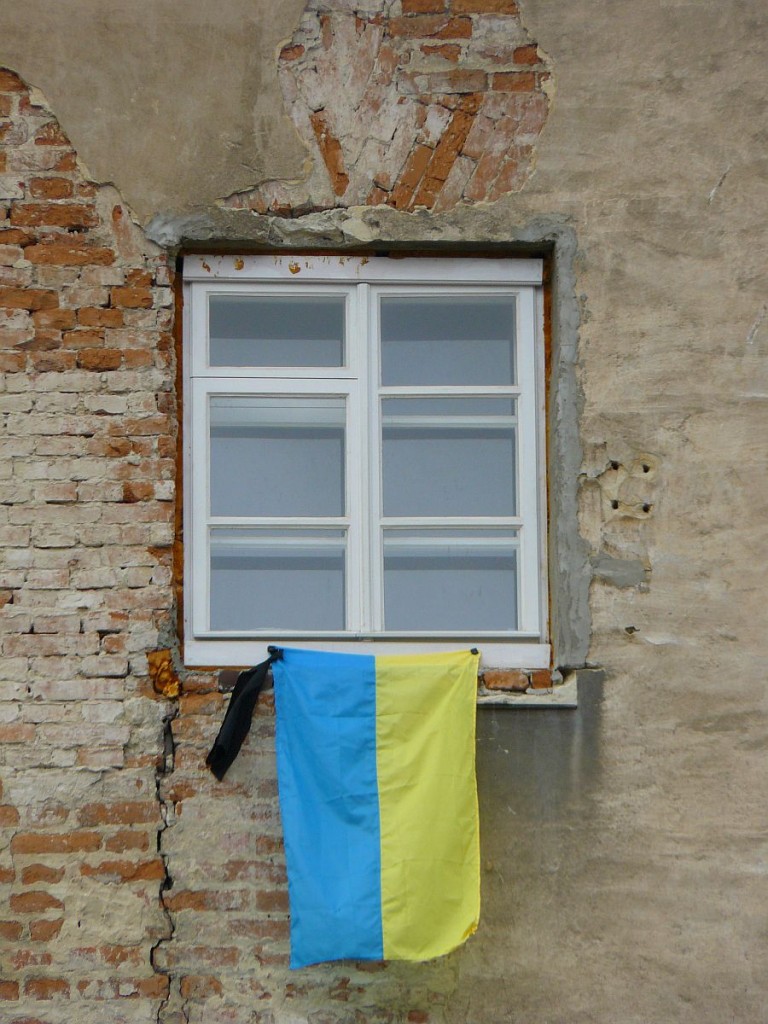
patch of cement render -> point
(621, 572)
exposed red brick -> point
(133, 492)
(271, 900)
(51, 188)
(30, 958)
(526, 54)
(291, 52)
(84, 339)
(68, 254)
(484, 7)
(9, 990)
(8, 815)
(10, 930)
(125, 870)
(124, 812)
(206, 899)
(41, 873)
(64, 215)
(541, 679)
(28, 298)
(200, 986)
(46, 988)
(34, 902)
(330, 149)
(98, 316)
(448, 51)
(9, 82)
(58, 319)
(51, 135)
(7, 876)
(506, 679)
(443, 158)
(414, 169)
(129, 839)
(14, 236)
(513, 81)
(99, 359)
(130, 297)
(418, 1017)
(55, 842)
(138, 278)
(44, 931)
(376, 197)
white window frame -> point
(362, 280)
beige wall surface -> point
(624, 843)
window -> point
(363, 456)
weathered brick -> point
(51, 188)
(9, 990)
(62, 215)
(11, 930)
(67, 253)
(46, 988)
(28, 298)
(200, 986)
(55, 842)
(99, 359)
(10, 82)
(425, 6)
(513, 81)
(44, 931)
(506, 679)
(34, 873)
(125, 870)
(131, 297)
(34, 902)
(127, 812)
(9, 816)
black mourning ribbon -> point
(237, 720)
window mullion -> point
(357, 469)
(375, 510)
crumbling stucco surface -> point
(624, 842)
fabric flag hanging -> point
(376, 774)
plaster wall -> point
(624, 842)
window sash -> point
(358, 383)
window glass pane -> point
(448, 457)
(272, 579)
(271, 330)
(450, 339)
(460, 580)
(277, 456)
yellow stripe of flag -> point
(430, 845)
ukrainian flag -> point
(376, 772)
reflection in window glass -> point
(445, 580)
(272, 330)
(453, 339)
(276, 456)
(449, 457)
(272, 579)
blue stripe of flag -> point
(326, 754)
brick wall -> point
(87, 469)
(134, 887)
